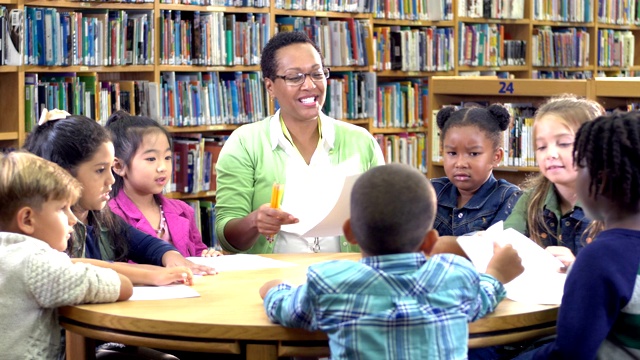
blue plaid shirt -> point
(400, 306)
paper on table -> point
(540, 283)
(319, 200)
(177, 291)
(240, 262)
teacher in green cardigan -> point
(298, 137)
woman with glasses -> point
(299, 139)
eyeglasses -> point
(297, 79)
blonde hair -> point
(29, 180)
(572, 112)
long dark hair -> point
(69, 143)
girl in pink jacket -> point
(142, 167)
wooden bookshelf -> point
(616, 92)
(442, 88)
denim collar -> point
(477, 200)
(552, 203)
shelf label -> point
(84, 68)
(506, 87)
(322, 13)
(215, 8)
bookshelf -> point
(454, 90)
(444, 32)
(616, 93)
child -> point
(395, 303)
(36, 276)
(84, 148)
(548, 211)
(599, 312)
(469, 197)
(142, 168)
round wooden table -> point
(229, 317)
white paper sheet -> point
(177, 291)
(240, 262)
(540, 283)
(320, 201)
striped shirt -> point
(400, 306)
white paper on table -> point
(540, 283)
(319, 199)
(240, 262)
(176, 291)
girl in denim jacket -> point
(469, 197)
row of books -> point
(518, 142)
(621, 12)
(405, 148)
(230, 3)
(562, 74)
(564, 10)
(194, 163)
(215, 38)
(402, 104)
(615, 48)
(564, 47)
(413, 49)
(205, 218)
(485, 45)
(344, 42)
(357, 6)
(491, 9)
(433, 10)
(11, 31)
(88, 37)
(84, 94)
(208, 98)
(350, 95)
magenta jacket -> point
(180, 218)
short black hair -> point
(268, 62)
(492, 120)
(127, 132)
(392, 208)
(609, 147)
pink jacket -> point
(180, 218)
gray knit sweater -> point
(34, 281)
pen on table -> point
(276, 195)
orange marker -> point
(276, 196)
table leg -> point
(262, 351)
(79, 347)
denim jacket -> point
(569, 231)
(493, 202)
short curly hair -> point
(268, 62)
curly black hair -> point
(268, 62)
(609, 147)
(492, 120)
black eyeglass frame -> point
(326, 71)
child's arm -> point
(563, 254)
(268, 286)
(507, 207)
(447, 245)
(126, 288)
(288, 306)
(517, 220)
(505, 265)
(145, 274)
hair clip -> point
(53, 114)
